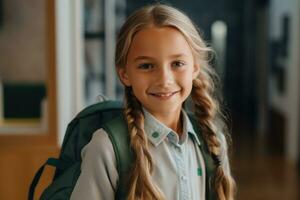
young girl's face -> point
(160, 69)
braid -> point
(206, 109)
(141, 185)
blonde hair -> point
(206, 107)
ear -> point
(123, 76)
(196, 70)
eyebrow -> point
(152, 58)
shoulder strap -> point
(52, 162)
(209, 162)
(118, 133)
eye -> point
(145, 66)
(178, 63)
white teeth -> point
(164, 94)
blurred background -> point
(57, 56)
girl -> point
(161, 60)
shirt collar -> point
(157, 131)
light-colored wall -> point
(69, 59)
(289, 102)
(23, 41)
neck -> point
(172, 120)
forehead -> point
(159, 41)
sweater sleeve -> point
(99, 175)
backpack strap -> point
(117, 131)
(50, 162)
(210, 165)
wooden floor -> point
(262, 174)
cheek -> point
(187, 79)
(187, 83)
(139, 92)
(139, 80)
(139, 86)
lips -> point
(163, 94)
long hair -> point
(206, 107)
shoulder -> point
(99, 148)
(99, 175)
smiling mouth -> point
(163, 94)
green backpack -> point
(109, 116)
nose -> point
(164, 76)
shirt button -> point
(183, 178)
(155, 135)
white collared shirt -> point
(179, 169)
